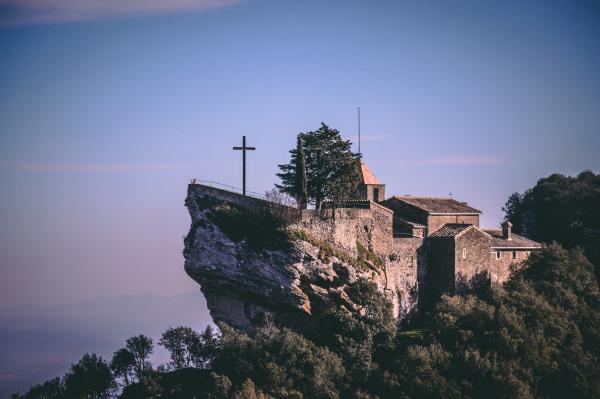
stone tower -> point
(370, 187)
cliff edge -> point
(253, 258)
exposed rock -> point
(249, 264)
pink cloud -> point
(462, 160)
(27, 12)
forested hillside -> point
(560, 208)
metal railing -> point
(226, 187)
(359, 204)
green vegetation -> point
(259, 229)
(330, 166)
(300, 178)
(562, 209)
(538, 337)
(367, 259)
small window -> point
(375, 195)
(464, 253)
(497, 254)
(514, 254)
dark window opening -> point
(514, 255)
(376, 195)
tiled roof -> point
(367, 176)
(413, 224)
(516, 242)
(433, 205)
(449, 230)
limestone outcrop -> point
(253, 258)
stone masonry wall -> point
(472, 270)
(435, 222)
(500, 269)
(291, 213)
(440, 270)
(405, 270)
(347, 226)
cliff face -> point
(252, 258)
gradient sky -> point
(107, 110)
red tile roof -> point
(438, 205)
(516, 242)
(367, 176)
(449, 230)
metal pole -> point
(359, 130)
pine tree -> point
(331, 167)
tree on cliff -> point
(332, 171)
(560, 208)
(301, 187)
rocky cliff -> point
(253, 258)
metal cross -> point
(243, 148)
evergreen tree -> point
(302, 193)
(332, 169)
(560, 208)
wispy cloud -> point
(93, 167)
(457, 160)
(26, 12)
(365, 138)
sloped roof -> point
(410, 223)
(434, 205)
(516, 240)
(367, 176)
(449, 230)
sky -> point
(109, 108)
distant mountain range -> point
(41, 342)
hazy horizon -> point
(108, 110)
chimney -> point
(507, 230)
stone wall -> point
(251, 203)
(435, 222)
(439, 278)
(472, 269)
(405, 272)
(347, 226)
(500, 268)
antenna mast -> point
(359, 130)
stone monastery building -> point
(455, 249)
(424, 247)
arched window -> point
(464, 253)
(375, 195)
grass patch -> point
(366, 258)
